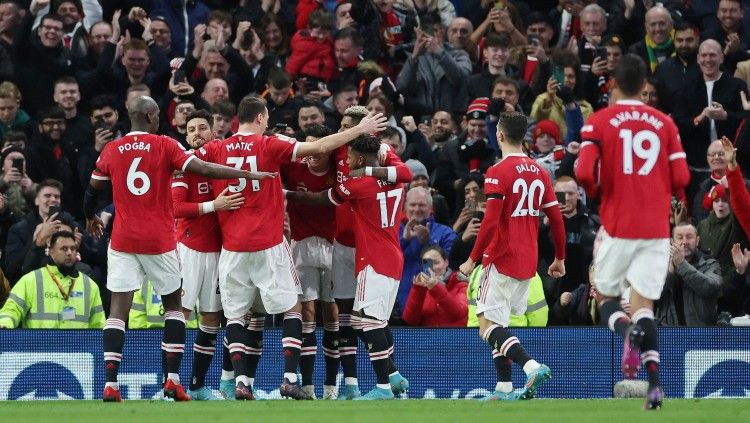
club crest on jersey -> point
(203, 188)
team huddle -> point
(343, 192)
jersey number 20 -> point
(237, 162)
(531, 197)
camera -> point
(18, 164)
(426, 266)
(479, 215)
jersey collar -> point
(630, 102)
(136, 133)
(515, 155)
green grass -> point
(403, 411)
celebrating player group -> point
(344, 195)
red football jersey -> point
(376, 206)
(642, 164)
(307, 221)
(140, 167)
(526, 190)
(344, 217)
(259, 223)
(196, 231)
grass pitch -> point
(400, 411)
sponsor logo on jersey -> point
(203, 188)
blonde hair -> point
(10, 90)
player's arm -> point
(740, 198)
(217, 171)
(310, 198)
(368, 125)
(487, 230)
(557, 227)
(393, 169)
(588, 160)
(678, 167)
(186, 209)
(97, 185)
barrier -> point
(439, 363)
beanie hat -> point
(478, 108)
(548, 127)
(417, 168)
(717, 192)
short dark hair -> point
(502, 79)
(319, 18)
(388, 132)
(494, 39)
(54, 112)
(51, 183)
(102, 101)
(513, 125)
(437, 248)
(351, 34)
(629, 74)
(387, 105)
(279, 78)
(225, 108)
(250, 108)
(317, 131)
(52, 16)
(136, 44)
(61, 234)
(219, 15)
(138, 87)
(539, 17)
(15, 136)
(201, 114)
(366, 145)
(684, 26)
(312, 103)
(65, 80)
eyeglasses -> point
(185, 110)
(53, 123)
(52, 28)
(716, 154)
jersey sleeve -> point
(101, 168)
(178, 156)
(679, 171)
(549, 199)
(182, 208)
(345, 191)
(401, 172)
(283, 148)
(493, 184)
(586, 166)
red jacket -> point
(739, 198)
(445, 305)
(304, 8)
(311, 58)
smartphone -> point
(532, 39)
(558, 74)
(426, 266)
(179, 76)
(280, 127)
(560, 197)
(53, 210)
(601, 53)
(247, 40)
(428, 29)
(479, 215)
(206, 36)
(18, 164)
(501, 4)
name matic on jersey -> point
(240, 145)
(635, 115)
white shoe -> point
(740, 321)
(309, 390)
(330, 392)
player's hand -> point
(261, 175)
(740, 259)
(574, 147)
(383, 153)
(730, 153)
(372, 123)
(95, 227)
(565, 299)
(467, 267)
(557, 269)
(677, 254)
(226, 202)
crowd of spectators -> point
(440, 70)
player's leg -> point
(173, 344)
(330, 348)
(124, 276)
(647, 276)
(374, 300)
(499, 296)
(278, 283)
(255, 320)
(399, 384)
(344, 287)
(310, 281)
(236, 299)
(200, 284)
(226, 381)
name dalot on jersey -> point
(524, 167)
(135, 145)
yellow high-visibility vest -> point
(147, 311)
(537, 311)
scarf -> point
(652, 49)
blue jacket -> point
(182, 17)
(439, 235)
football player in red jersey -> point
(517, 191)
(198, 247)
(632, 157)
(376, 207)
(312, 230)
(143, 245)
(255, 256)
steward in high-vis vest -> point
(56, 296)
(537, 311)
(147, 311)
